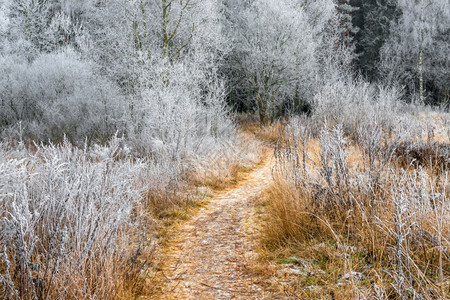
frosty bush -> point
(58, 94)
(65, 218)
(179, 116)
(181, 111)
(351, 103)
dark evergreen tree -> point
(348, 28)
(375, 18)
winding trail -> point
(210, 255)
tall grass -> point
(377, 197)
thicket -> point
(280, 66)
(68, 221)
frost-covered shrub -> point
(181, 111)
(65, 220)
(351, 103)
(179, 115)
(58, 94)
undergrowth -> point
(359, 209)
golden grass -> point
(271, 134)
(438, 125)
(326, 244)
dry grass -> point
(334, 224)
(71, 223)
(437, 125)
(271, 134)
(225, 168)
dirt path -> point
(208, 258)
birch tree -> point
(418, 53)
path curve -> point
(208, 257)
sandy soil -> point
(210, 255)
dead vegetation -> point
(359, 218)
(82, 223)
(270, 134)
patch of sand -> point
(209, 256)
